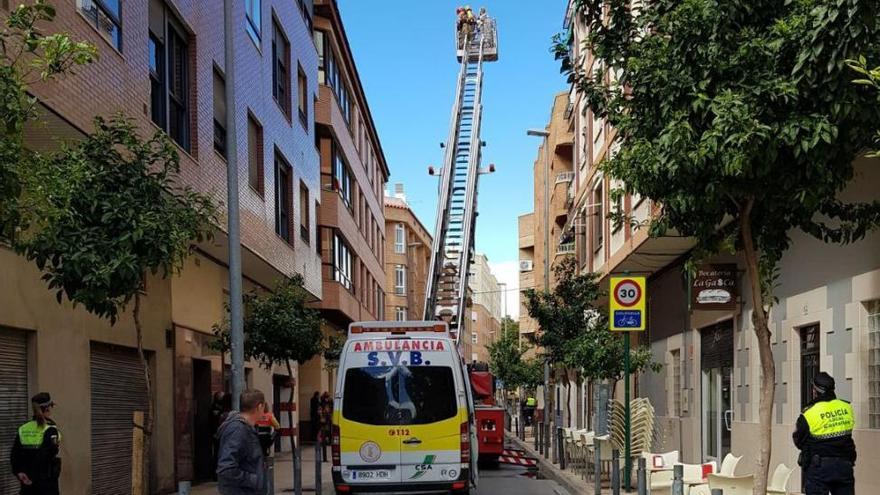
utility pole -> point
(236, 325)
(544, 134)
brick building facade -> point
(161, 63)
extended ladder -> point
(447, 284)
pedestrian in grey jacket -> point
(241, 466)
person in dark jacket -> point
(241, 465)
(823, 433)
(34, 453)
(315, 415)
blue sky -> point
(405, 56)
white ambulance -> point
(403, 412)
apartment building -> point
(408, 248)
(485, 309)
(351, 219)
(526, 228)
(541, 233)
(827, 317)
(162, 64)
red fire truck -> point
(489, 416)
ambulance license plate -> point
(369, 475)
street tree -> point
(280, 328)
(28, 55)
(739, 119)
(507, 360)
(574, 329)
(871, 78)
(106, 211)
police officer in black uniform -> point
(34, 454)
(824, 436)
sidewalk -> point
(284, 475)
(566, 478)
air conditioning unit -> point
(525, 265)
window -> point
(219, 112)
(306, 12)
(618, 210)
(105, 16)
(342, 262)
(399, 395)
(341, 176)
(283, 204)
(399, 280)
(676, 382)
(302, 86)
(304, 213)
(252, 9)
(329, 74)
(400, 313)
(874, 364)
(169, 75)
(255, 155)
(399, 238)
(474, 338)
(317, 231)
(809, 361)
(280, 68)
(598, 216)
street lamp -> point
(543, 133)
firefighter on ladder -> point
(34, 453)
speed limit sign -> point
(627, 303)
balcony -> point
(565, 249)
(564, 177)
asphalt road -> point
(511, 480)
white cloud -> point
(508, 272)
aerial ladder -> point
(453, 248)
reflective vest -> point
(830, 419)
(531, 402)
(31, 434)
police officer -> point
(824, 436)
(34, 455)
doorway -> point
(203, 464)
(809, 362)
(716, 355)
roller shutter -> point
(117, 390)
(14, 403)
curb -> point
(549, 469)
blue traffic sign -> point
(624, 318)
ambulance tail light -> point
(336, 457)
(465, 444)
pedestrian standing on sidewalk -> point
(824, 436)
(34, 453)
(241, 465)
(315, 415)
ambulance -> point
(403, 416)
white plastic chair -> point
(728, 465)
(779, 482)
(732, 485)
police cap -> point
(42, 399)
(823, 382)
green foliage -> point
(724, 108)
(562, 313)
(574, 329)
(27, 55)
(108, 209)
(279, 326)
(507, 361)
(332, 350)
(871, 78)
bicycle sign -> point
(627, 304)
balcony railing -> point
(566, 248)
(564, 177)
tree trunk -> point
(568, 399)
(150, 418)
(290, 407)
(768, 366)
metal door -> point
(14, 404)
(118, 389)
